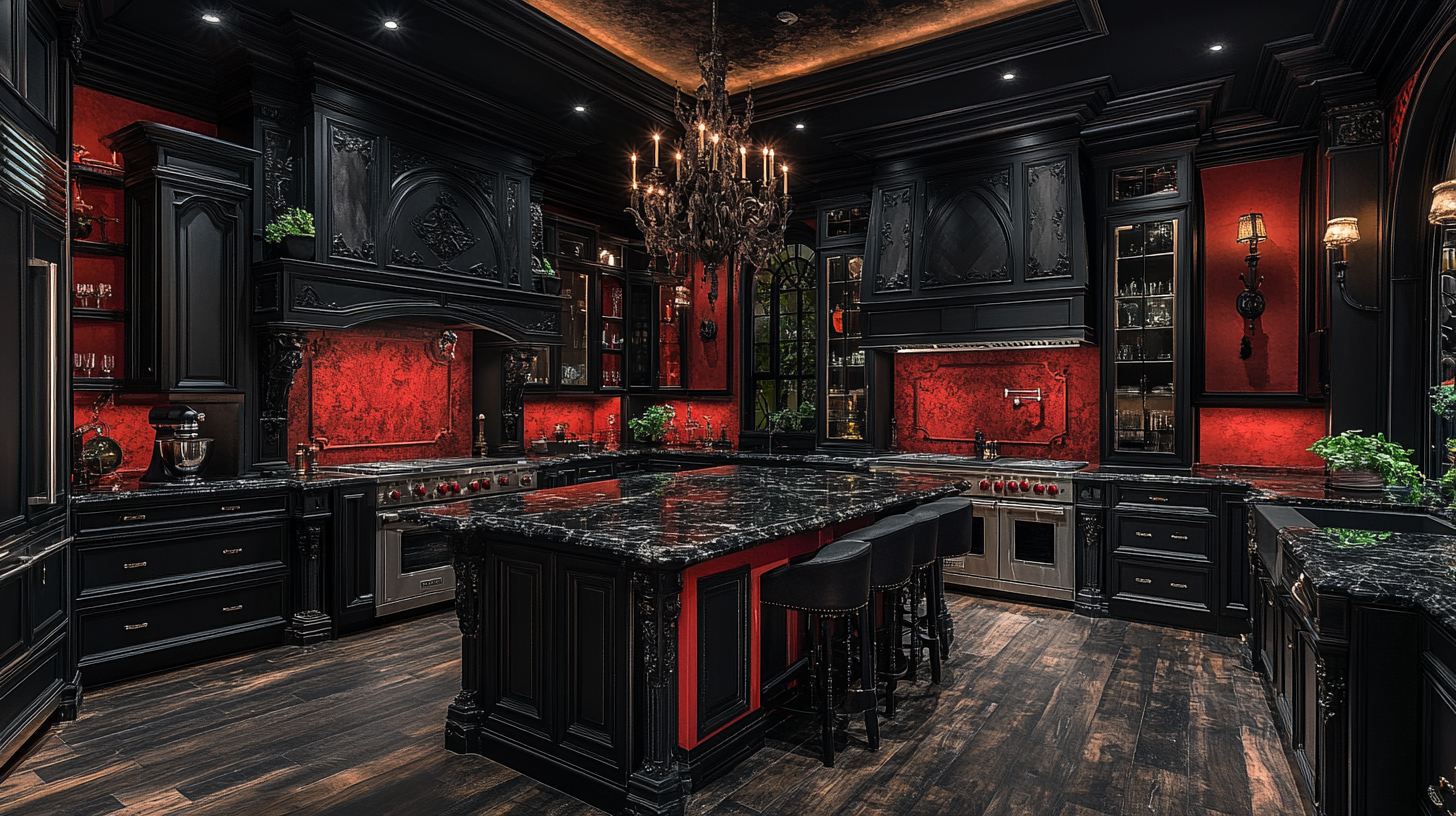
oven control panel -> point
(1025, 487)
(435, 488)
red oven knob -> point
(420, 490)
(1053, 490)
(1038, 489)
(443, 488)
(475, 485)
(1010, 485)
(503, 480)
(454, 487)
(525, 481)
(1025, 485)
(997, 487)
(394, 495)
(985, 484)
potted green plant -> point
(546, 280)
(1366, 463)
(293, 229)
(651, 428)
(790, 420)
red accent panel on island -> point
(1272, 437)
(1271, 187)
(377, 395)
(946, 396)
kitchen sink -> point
(1376, 520)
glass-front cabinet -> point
(612, 305)
(845, 397)
(574, 360)
(674, 306)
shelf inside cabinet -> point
(98, 247)
(82, 313)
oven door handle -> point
(388, 518)
(1058, 514)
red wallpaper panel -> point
(949, 395)
(96, 114)
(1274, 437)
(127, 424)
(586, 417)
(376, 395)
(1270, 187)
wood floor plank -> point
(1040, 711)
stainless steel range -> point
(412, 562)
(1021, 541)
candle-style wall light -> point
(1250, 302)
(1443, 213)
(1340, 233)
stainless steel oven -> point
(985, 542)
(1036, 545)
(412, 566)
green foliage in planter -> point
(1443, 401)
(1351, 451)
(292, 221)
(789, 419)
(547, 270)
(652, 425)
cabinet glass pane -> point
(846, 221)
(845, 398)
(539, 374)
(639, 343)
(674, 304)
(1136, 182)
(614, 332)
(785, 337)
(575, 371)
(1145, 361)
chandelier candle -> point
(656, 143)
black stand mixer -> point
(179, 452)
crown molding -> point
(1163, 116)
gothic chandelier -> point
(710, 206)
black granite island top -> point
(1413, 570)
(681, 519)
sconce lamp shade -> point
(1443, 204)
(1251, 228)
(1341, 231)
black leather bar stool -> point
(957, 520)
(924, 628)
(833, 581)
(892, 562)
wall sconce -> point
(1341, 232)
(1250, 302)
(1443, 213)
(441, 349)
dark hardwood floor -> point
(1042, 712)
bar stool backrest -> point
(892, 559)
(834, 581)
(927, 534)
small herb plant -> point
(789, 419)
(652, 425)
(547, 270)
(294, 221)
(1351, 451)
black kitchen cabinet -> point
(188, 203)
(332, 542)
(1438, 721)
(161, 582)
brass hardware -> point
(1157, 498)
(1445, 785)
(138, 517)
(1143, 580)
(134, 565)
(1177, 586)
(233, 551)
(1177, 537)
(1142, 534)
(232, 608)
(133, 626)
(1434, 796)
(228, 508)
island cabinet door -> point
(592, 663)
(518, 644)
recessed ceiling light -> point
(1216, 47)
(799, 126)
(1008, 76)
(209, 17)
(392, 25)
(581, 108)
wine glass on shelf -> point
(89, 358)
(78, 362)
(84, 291)
(108, 364)
(103, 294)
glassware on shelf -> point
(89, 360)
(103, 294)
(78, 362)
(84, 291)
(108, 364)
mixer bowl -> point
(184, 457)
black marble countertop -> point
(1415, 570)
(727, 457)
(130, 488)
(680, 519)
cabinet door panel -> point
(206, 249)
(355, 537)
(12, 379)
(520, 642)
(12, 618)
(1438, 744)
(48, 588)
(594, 640)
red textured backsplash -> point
(1273, 437)
(949, 395)
(96, 114)
(127, 425)
(724, 413)
(711, 364)
(1270, 187)
(369, 390)
(586, 417)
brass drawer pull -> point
(1157, 498)
(134, 565)
(232, 608)
(134, 626)
(1143, 580)
(1142, 534)
(233, 551)
(1178, 537)
(1434, 796)
(228, 508)
(1177, 585)
(137, 517)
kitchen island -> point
(612, 643)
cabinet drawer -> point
(631, 467)
(1186, 537)
(317, 503)
(114, 566)
(593, 473)
(1184, 497)
(133, 627)
(1187, 586)
(202, 509)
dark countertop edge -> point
(852, 462)
(680, 559)
(207, 487)
(1421, 595)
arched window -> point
(784, 334)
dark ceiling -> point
(1147, 45)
